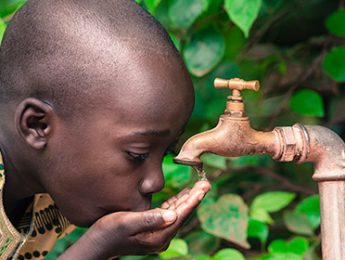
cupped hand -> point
(137, 233)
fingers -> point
(178, 200)
(184, 203)
(150, 220)
(178, 207)
(187, 204)
(171, 203)
(198, 188)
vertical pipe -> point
(332, 205)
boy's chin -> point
(142, 207)
(87, 222)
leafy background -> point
(258, 208)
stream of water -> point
(201, 173)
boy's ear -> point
(33, 120)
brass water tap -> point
(233, 137)
(235, 105)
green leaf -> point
(228, 253)
(333, 64)
(176, 175)
(311, 208)
(261, 215)
(227, 218)
(2, 29)
(307, 102)
(178, 247)
(250, 160)
(243, 13)
(202, 257)
(161, 14)
(297, 246)
(234, 42)
(204, 52)
(200, 242)
(176, 42)
(287, 256)
(183, 13)
(215, 106)
(257, 229)
(269, 105)
(8, 7)
(298, 223)
(278, 246)
(273, 201)
(135, 257)
(335, 23)
(151, 5)
(214, 7)
(214, 161)
(312, 253)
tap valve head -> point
(236, 83)
(235, 106)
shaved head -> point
(67, 52)
(93, 94)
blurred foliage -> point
(258, 208)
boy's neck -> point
(18, 191)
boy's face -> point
(110, 159)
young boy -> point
(92, 96)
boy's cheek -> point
(84, 203)
(93, 179)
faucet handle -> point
(236, 83)
(235, 105)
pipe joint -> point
(294, 143)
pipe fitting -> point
(294, 143)
(313, 144)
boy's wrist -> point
(86, 248)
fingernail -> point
(169, 216)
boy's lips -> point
(143, 206)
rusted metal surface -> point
(332, 206)
(233, 137)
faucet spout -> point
(232, 137)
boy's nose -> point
(153, 182)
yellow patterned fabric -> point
(37, 231)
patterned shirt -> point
(37, 231)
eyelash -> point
(141, 157)
(138, 157)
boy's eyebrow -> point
(152, 133)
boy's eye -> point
(139, 157)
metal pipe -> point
(326, 150)
(332, 206)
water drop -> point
(201, 173)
